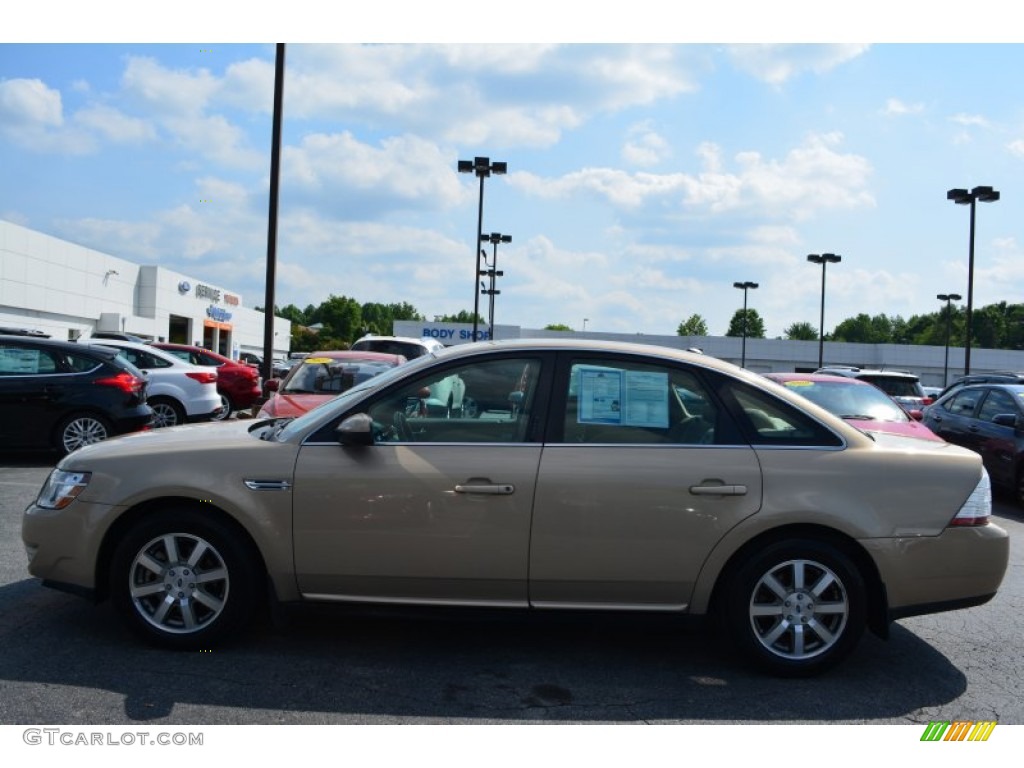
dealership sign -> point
(218, 314)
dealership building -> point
(68, 291)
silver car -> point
(594, 475)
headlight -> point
(61, 488)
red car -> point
(238, 384)
(323, 376)
(862, 404)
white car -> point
(407, 346)
(178, 391)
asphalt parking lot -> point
(66, 661)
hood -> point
(292, 405)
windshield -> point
(328, 376)
(849, 400)
(345, 400)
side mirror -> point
(916, 414)
(355, 430)
(271, 385)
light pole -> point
(492, 270)
(482, 167)
(963, 197)
(744, 287)
(948, 297)
(585, 321)
(824, 259)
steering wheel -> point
(401, 424)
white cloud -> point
(970, 120)
(644, 146)
(402, 168)
(114, 125)
(29, 103)
(811, 177)
(1016, 148)
(775, 64)
(898, 107)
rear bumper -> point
(959, 568)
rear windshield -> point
(391, 347)
(895, 386)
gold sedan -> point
(590, 475)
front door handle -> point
(718, 490)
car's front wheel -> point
(183, 580)
(797, 607)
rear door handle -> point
(487, 489)
(718, 490)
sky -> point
(644, 178)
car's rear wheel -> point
(183, 580)
(166, 412)
(797, 607)
(225, 409)
(81, 429)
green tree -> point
(342, 318)
(802, 332)
(557, 327)
(755, 325)
(463, 316)
(694, 325)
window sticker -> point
(16, 360)
(622, 398)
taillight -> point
(203, 377)
(124, 381)
(978, 507)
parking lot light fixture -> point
(482, 167)
(824, 259)
(948, 298)
(964, 197)
(745, 286)
(492, 271)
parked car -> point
(988, 419)
(407, 346)
(901, 386)
(238, 384)
(862, 404)
(795, 529)
(178, 392)
(56, 394)
(996, 377)
(321, 377)
(117, 336)
(250, 359)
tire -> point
(182, 580)
(81, 429)
(166, 412)
(796, 608)
(225, 411)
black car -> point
(988, 419)
(61, 395)
(996, 377)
